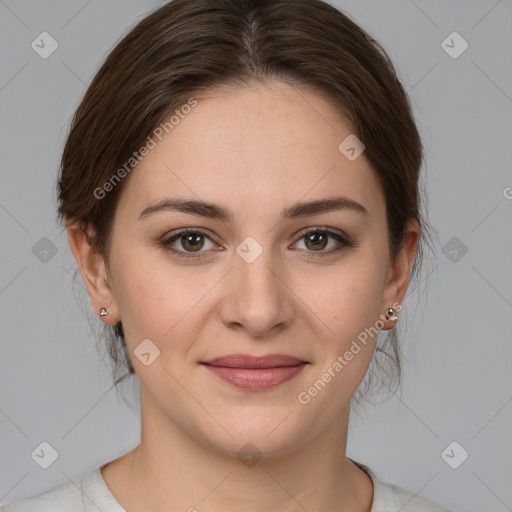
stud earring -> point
(103, 312)
(391, 315)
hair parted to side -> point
(189, 46)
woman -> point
(240, 191)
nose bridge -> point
(254, 268)
(256, 296)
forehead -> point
(264, 144)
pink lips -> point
(255, 373)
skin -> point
(254, 150)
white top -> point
(91, 494)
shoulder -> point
(391, 498)
(396, 498)
(65, 497)
(88, 494)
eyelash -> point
(345, 242)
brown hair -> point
(189, 46)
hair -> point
(186, 47)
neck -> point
(171, 470)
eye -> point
(192, 241)
(317, 239)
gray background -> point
(457, 355)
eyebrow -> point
(218, 212)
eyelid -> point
(184, 231)
(299, 235)
(326, 229)
(174, 235)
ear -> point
(94, 274)
(398, 276)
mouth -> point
(255, 373)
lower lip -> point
(256, 378)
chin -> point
(255, 437)
(250, 449)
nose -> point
(256, 296)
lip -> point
(253, 372)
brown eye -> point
(186, 242)
(192, 242)
(316, 240)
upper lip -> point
(248, 361)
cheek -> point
(347, 304)
(138, 291)
(158, 301)
(347, 296)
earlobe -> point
(93, 270)
(399, 274)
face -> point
(268, 278)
